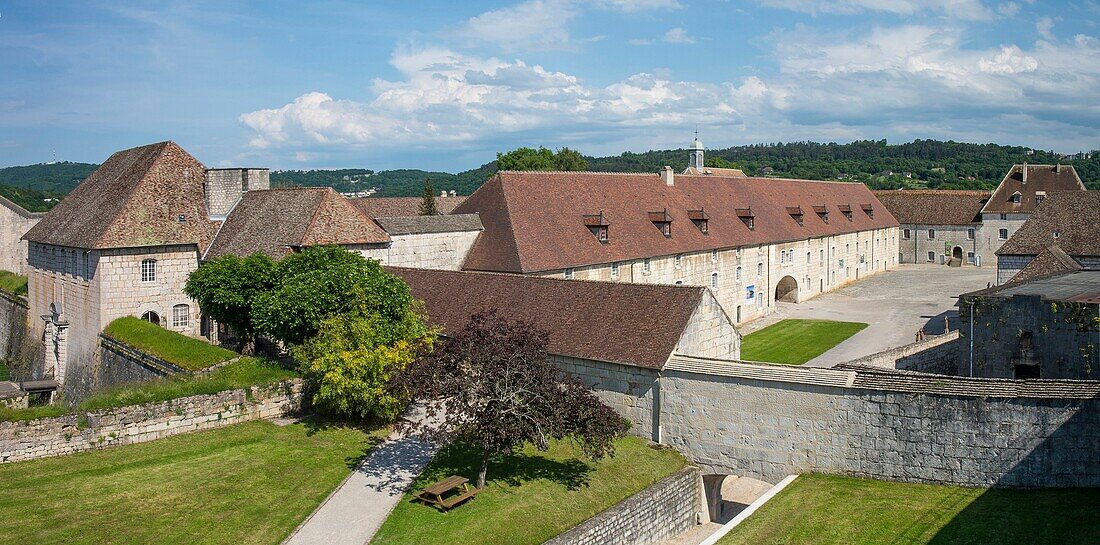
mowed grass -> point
(796, 342)
(13, 283)
(240, 374)
(528, 498)
(250, 483)
(827, 510)
(181, 350)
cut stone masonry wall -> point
(140, 423)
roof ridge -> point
(528, 277)
(577, 172)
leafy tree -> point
(571, 160)
(495, 388)
(226, 289)
(321, 282)
(427, 201)
(718, 162)
(526, 159)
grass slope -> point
(188, 353)
(796, 341)
(5, 373)
(826, 510)
(240, 374)
(13, 283)
(528, 498)
(250, 483)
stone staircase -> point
(955, 262)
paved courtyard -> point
(896, 304)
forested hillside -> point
(921, 163)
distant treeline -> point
(921, 163)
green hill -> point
(916, 164)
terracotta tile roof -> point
(631, 324)
(934, 207)
(1045, 178)
(273, 221)
(536, 221)
(393, 207)
(1050, 261)
(133, 199)
(1074, 215)
(712, 171)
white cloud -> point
(532, 24)
(1008, 9)
(640, 41)
(678, 36)
(630, 6)
(961, 9)
(1045, 26)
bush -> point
(13, 283)
(186, 352)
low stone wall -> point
(140, 423)
(935, 354)
(771, 421)
(665, 509)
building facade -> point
(940, 226)
(1061, 235)
(15, 221)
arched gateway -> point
(787, 290)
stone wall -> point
(915, 247)
(14, 223)
(140, 423)
(1009, 265)
(445, 250)
(935, 354)
(744, 279)
(19, 349)
(631, 391)
(120, 364)
(225, 186)
(661, 511)
(710, 332)
(771, 421)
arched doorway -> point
(957, 252)
(152, 317)
(787, 290)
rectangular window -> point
(1004, 216)
(645, 265)
(1003, 234)
(738, 274)
(714, 280)
(148, 270)
(181, 316)
(931, 256)
(759, 269)
(569, 273)
(931, 234)
(969, 234)
(615, 270)
(679, 260)
(905, 233)
(714, 256)
(969, 257)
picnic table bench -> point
(434, 493)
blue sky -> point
(445, 85)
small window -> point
(931, 256)
(906, 233)
(679, 260)
(1016, 198)
(821, 255)
(931, 234)
(679, 282)
(714, 256)
(181, 316)
(569, 273)
(1003, 234)
(645, 265)
(1057, 234)
(714, 280)
(969, 257)
(1004, 216)
(808, 258)
(601, 234)
(969, 234)
(148, 270)
(182, 218)
(615, 270)
(759, 269)
(738, 274)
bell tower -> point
(696, 160)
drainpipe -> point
(657, 407)
(971, 337)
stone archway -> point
(787, 290)
(151, 316)
(957, 252)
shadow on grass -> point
(461, 459)
(315, 424)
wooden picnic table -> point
(434, 493)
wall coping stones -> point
(887, 358)
(761, 371)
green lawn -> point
(5, 373)
(825, 510)
(528, 498)
(247, 483)
(796, 341)
(188, 353)
(239, 374)
(13, 283)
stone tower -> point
(696, 160)
(225, 186)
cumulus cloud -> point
(961, 9)
(532, 24)
(678, 36)
(1045, 27)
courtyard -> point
(896, 304)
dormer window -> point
(1057, 234)
(700, 219)
(1017, 197)
(846, 209)
(747, 217)
(796, 214)
(822, 212)
(662, 221)
(869, 210)
(598, 225)
(1040, 196)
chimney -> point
(1058, 168)
(453, 193)
(1023, 173)
(668, 176)
(443, 193)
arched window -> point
(738, 274)
(181, 316)
(148, 270)
(714, 280)
(151, 317)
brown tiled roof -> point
(534, 221)
(273, 221)
(393, 207)
(134, 199)
(1080, 286)
(712, 171)
(1075, 215)
(1050, 261)
(631, 324)
(1039, 178)
(934, 207)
